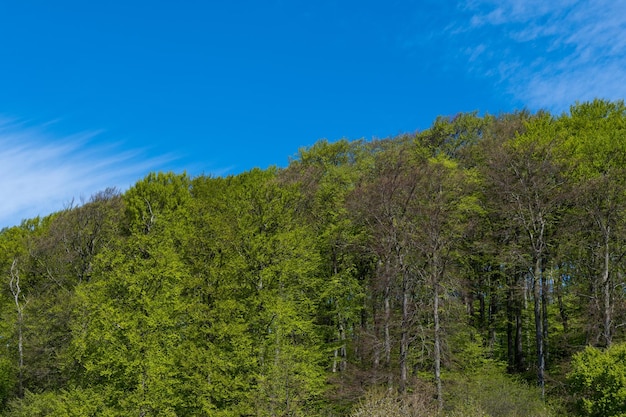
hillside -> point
(475, 268)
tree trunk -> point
(437, 346)
(387, 335)
(493, 310)
(404, 339)
(386, 326)
(606, 293)
(519, 347)
(559, 298)
(469, 303)
(544, 313)
(518, 302)
(538, 324)
(343, 351)
(339, 354)
(510, 329)
(14, 285)
(376, 330)
(481, 317)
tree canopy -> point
(475, 268)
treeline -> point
(461, 270)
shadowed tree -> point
(525, 175)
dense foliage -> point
(475, 268)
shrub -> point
(598, 379)
(382, 402)
(491, 392)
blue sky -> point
(97, 94)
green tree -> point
(13, 252)
(131, 316)
(596, 140)
(281, 267)
(259, 275)
(326, 174)
(61, 252)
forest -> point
(476, 268)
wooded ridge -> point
(472, 269)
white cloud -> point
(548, 54)
(40, 174)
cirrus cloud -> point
(41, 173)
(546, 54)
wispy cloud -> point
(40, 173)
(546, 54)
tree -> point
(416, 209)
(14, 244)
(281, 268)
(381, 204)
(443, 210)
(494, 269)
(16, 291)
(131, 316)
(596, 134)
(263, 289)
(61, 252)
(526, 177)
(325, 174)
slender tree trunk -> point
(404, 339)
(606, 292)
(544, 313)
(376, 324)
(493, 309)
(14, 285)
(481, 317)
(519, 337)
(359, 348)
(469, 302)
(343, 351)
(538, 324)
(437, 346)
(387, 334)
(559, 298)
(510, 329)
(514, 327)
(518, 303)
(387, 325)
(339, 354)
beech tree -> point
(416, 209)
(130, 318)
(527, 176)
(596, 138)
(381, 204)
(326, 174)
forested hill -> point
(472, 269)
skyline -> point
(98, 95)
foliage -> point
(462, 263)
(65, 403)
(598, 377)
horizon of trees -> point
(469, 269)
